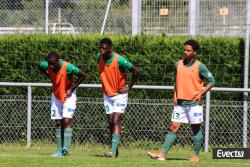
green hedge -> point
(154, 55)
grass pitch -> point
(14, 155)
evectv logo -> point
(231, 153)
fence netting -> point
(144, 123)
(213, 17)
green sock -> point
(197, 141)
(115, 142)
(67, 138)
(169, 141)
(59, 138)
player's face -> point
(53, 64)
(105, 49)
(189, 53)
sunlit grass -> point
(14, 155)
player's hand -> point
(124, 89)
(68, 92)
(199, 99)
(175, 102)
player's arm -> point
(125, 64)
(135, 75)
(175, 97)
(80, 77)
(97, 56)
(42, 66)
(175, 71)
(73, 70)
(206, 75)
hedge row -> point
(154, 55)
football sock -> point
(59, 138)
(197, 141)
(169, 141)
(115, 142)
(67, 138)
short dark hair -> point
(52, 55)
(106, 41)
(195, 45)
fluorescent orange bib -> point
(60, 82)
(112, 78)
(188, 82)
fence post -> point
(192, 17)
(29, 116)
(207, 121)
(246, 73)
(105, 17)
(136, 16)
(46, 17)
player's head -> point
(191, 47)
(105, 46)
(195, 45)
(53, 60)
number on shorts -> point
(107, 108)
(53, 113)
(176, 115)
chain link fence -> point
(209, 17)
(88, 16)
(144, 123)
(22, 16)
(222, 17)
(73, 16)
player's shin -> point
(197, 141)
(169, 141)
(59, 138)
(115, 143)
(67, 140)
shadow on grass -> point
(167, 159)
(98, 155)
(177, 159)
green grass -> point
(13, 155)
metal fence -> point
(26, 119)
(61, 16)
(194, 17)
(187, 17)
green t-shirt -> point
(122, 62)
(204, 74)
(71, 69)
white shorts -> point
(191, 115)
(116, 103)
(63, 110)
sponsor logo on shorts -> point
(120, 104)
(71, 110)
(197, 114)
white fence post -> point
(192, 17)
(105, 17)
(136, 16)
(47, 17)
(246, 73)
(206, 142)
(29, 116)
